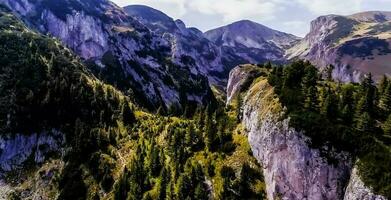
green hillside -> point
(115, 150)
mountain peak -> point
(372, 16)
(146, 12)
(156, 19)
(247, 34)
(245, 21)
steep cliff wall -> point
(357, 190)
(17, 149)
(119, 49)
(292, 169)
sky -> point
(291, 16)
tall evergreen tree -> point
(329, 71)
(122, 186)
(387, 126)
(365, 123)
(385, 100)
(366, 103)
(383, 84)
(244, 182)
(210, 130)
(268, 65)
(127, 114)
(309, 84)
(165, 180)
(330, 105)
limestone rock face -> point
(357, 190)
(119, 49)
(292, 169)
(189, 45)
(16, 149)
(241, 78)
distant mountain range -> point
(103, 102)
(148, 54)
(355, 45)
(217, 51)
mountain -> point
(119, 50)
(51, 106)
(154, 19)
(189, 45)
(252, 41)
(73, 79)
(66, 135)
(356, 45)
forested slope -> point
(112, 149)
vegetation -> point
(187, 159)
(344, 117)
(116, 151)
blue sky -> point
(291, 16)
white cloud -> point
(232, 10)
(296, 26)
(322, 7)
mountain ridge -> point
(254, 41)
(119, 50)
(355, 45)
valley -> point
(103, 102)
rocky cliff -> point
(189, 45)
(119, 49)
(292, 169)
(241, 79)
(355, 45)
(16, 149)
(356, 189)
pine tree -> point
(330, 105)
(165, 179)
(122, 186)
(311, 99)
(346, 104)
(365, 123)
(155, 164)
(127, 114)
(209, 131)
(228, 175)
(383, 84)
(201, 192)
(136, 179)
(160, 111)
(387, 126)
(239, 105)
(385, 100)
(329, 70)
(366, 103)
(309, 85)
(268, 65)
(183, 187)
(244, 181)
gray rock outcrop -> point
(16, 149)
